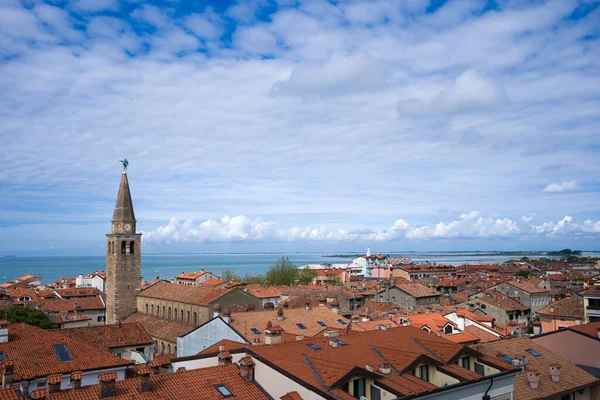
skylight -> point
(61, 352)
(2, 356)
(341, 342)
(313, 346)
(255, 331)
(533, 353)
(322, 323)
(341, 321)
(225, 392)
(301, 326)
(506, 358)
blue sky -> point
(301, 125)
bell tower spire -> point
(123, 256)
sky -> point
(301, 125)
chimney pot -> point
(247, 365)
(533, 378)
(8, 373)
(38, 394)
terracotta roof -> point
(106, 337)
(590, 329)
(262, 292)
(527, 286)
(228, 344)
(191, 294)
(569, 308)
(571, 376)
(33, 354)
(291, 396)
(212, 282)
(160, 328)
(186, 385)
(25, 277)
(416, 290)
(191, 275)
(77, 292)
(324, 366)
(451, 282)
(80, 303)
(481, 334)
(244, 322)
(162, 360)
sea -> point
(169, 265)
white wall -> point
(204, 362)
(277, 384)
(205, 336)
(89, 378)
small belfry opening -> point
(131, 247)
(123, 247)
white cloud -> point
(205, 26)
(472, 91)
(567, 226)
(243, 228)
(566, 186)
(528, 218)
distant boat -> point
(10, 255)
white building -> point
(93, 280)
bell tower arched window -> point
(132, 247)
(123, 247)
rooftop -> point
(191, 294)
(158, 327)
(106, 337)
(570, 308)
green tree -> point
(255, 279)
(283, 272)
(524, 273)
(229, 274)
(27, 315)
(304, 276)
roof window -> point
(225, 392)
(341, 321)
(301, 326)
(340, 342)
(2, 356)
(533, 353)
(61, 352)
(255, 331)
(313, 346)
(323, 324)
(506, 358)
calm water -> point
(169, 265)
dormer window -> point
(448, 329)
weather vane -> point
(125, 164)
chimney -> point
(280, 314)
(54, 382)
(108, 385)
(246, 365)
(181, 369)
(144, 379)
(335, 306)
(8, 373)
(534, 379)
(322, 300)
(555, 372)
(273, 334)
(385, 369)
(76, 380)
(224, 357)
(38, 394)
(24, 387)
(227, 315)
(334, 344)
(216, 310)
(4, 331)
(307, 304)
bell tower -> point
(123, 258)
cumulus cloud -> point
(528, 218)
(568, 226)
(472, 91)
(566, 186)
(243, 228)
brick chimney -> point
(4, 331)
(8, 373)
(385, 369)
(76, 380)
(216, 310)
(54, 382)
(224, 357)
(227, 315)
(247, 365)
(307, 304)
(108, 384)
(144, 379)
(280, 314)
(555, 372)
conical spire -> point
(124, 207)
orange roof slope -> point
(32, 351)
(191, 294)
(106, 337)
(186, 385)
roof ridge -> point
(428, 350)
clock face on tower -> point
(127, 227)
